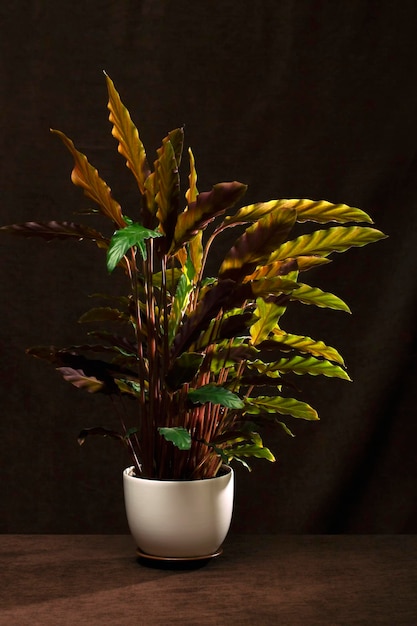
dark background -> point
(294, 98)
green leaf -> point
(279, 404)
(124, 130)
(177, 435)
(216, 395)
(131, 236)
(324, 242)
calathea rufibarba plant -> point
(203, 361)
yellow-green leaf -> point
(324, 242)
(306, 345)
(180, 303)
(249, 450)
(168, 186)
(300, 365)
(252, 212)
(313, 295)
(192, 191)
(124, 130)
(273, 286)
(278, 404)
(322, 212)
(268, 315)
(195, 245)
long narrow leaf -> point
(257, 243)
(268, 314)
(300, 365)
(215, 298)
(279, 404)
(195, 245)
(124, 130)
(104, 314)
(322, 212)
(56, 230)
(319, 211)
(252, 212)
(303, 344)
(324, 242)
(192, 191)
(284, 267)
(168, 185)
(101, 432)
(80, 380)
(86, 176)
(313, 295)
(181, 299)
(206, 207)
(256, 450)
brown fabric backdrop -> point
(295, 98)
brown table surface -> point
(258, 580)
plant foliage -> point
(202, 351)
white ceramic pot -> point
(179, 518)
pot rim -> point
(224, 469)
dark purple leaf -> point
(257, 243)
(101, 432)
(56, 230)
(207, 206)
(81, 371)
(207, 309)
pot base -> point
(182, 559)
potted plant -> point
(203, 361)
